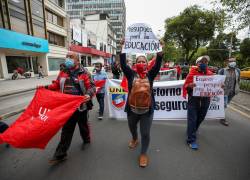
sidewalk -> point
(8, 87)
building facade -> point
(37, 34)
(22, 35)
(94, 39)
(116, 10)
(57, 25)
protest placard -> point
(207, 86)
(140, 38)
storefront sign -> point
(13, 40)
(169, 103)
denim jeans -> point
(100, 99)
(196, 113)
(227, 100)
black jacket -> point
(130, 74)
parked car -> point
(245, 73)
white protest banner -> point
(208, 86)
(167, 75)
(139, 38)
(169, 103)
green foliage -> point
(171, 52)
(245, 85)
(245, 52)
(239, 8)
(193, 28)
(219, 47)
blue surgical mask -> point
(69, 63)
(232, 64)
(203, 67)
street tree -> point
(220, 47)
(239, 9)
(193, 28)
(245, 52)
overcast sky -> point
(155, 12)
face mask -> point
(69, 63)
(232, 64)
(98, 69)
(141, 67)
(203, 67)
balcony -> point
(56, 29)
(55, 8)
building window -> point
(54, 19)
(56, 39)
(54, 63)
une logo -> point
(42, 113)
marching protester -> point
(197, 106)
(232, 81)
(3, 128)
(115, 67)
(178, 69)
(140, 101)
(40, 72)
(100, 76)
(75, 80)
(184, 71)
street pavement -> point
(224, 152)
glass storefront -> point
(13, 62)
(27, 63)
(54, 63)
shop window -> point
(13, 62)
(54, 63)
(89, 61)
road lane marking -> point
(240, 112)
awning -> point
(88, 50)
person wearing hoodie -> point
(197, 106)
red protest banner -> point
(45, 115)
(99, 84)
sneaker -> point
(143, 160)
(133, 143)
(56, 160)
(100, 117)
(193, 145)
(224, 122)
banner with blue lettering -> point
(170, 105)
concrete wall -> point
(3, 66)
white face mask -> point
(232, 64)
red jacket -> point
(84, 79)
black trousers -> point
(196, 113)
(145, 125)
(68, 130)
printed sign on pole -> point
(208, 86)
(140, 38)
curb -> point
(240, 106)
(246, 92)
(16, 92)
(13, 113)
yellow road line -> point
(240, 112)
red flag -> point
(99, 84)
(45, 115)
(124, 84)
(151, 63)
